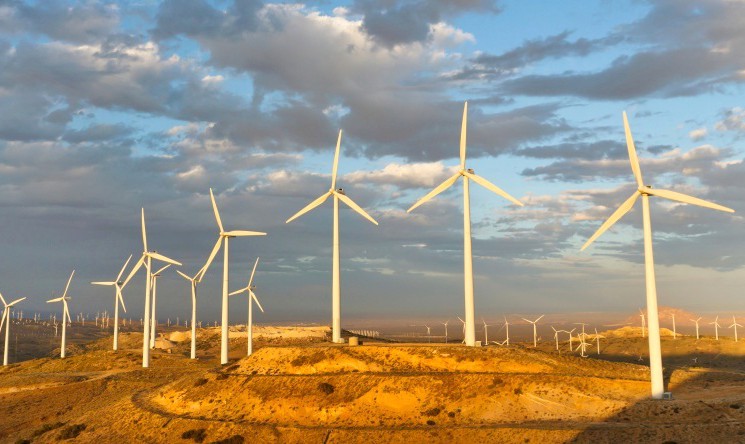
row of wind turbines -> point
(467, 175)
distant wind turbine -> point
(535, 332)
(65, 312)
(147, 260)
(556, 337)
(467, 175)
(446, 329)
(641, 314)
(249, 289)
(597, 339)
(643, 190)
(338, 195)
(716, 327)
(6, 318)
(118, 299)
(696, 321)
(675, 333)
(154, 289)
(507, 330)
(486, 333)
(194, 281)
(735, 325)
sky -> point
(109, 107)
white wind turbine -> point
(556, 337)
(194, 281)
(338, 195)
(535, 333)
(641, 314)
(6, 318)
(507, 330)
(571, 339)
(446, 329)
(147, 260)
(675, 333)
(464, 328)
(643, 190)
(716, 327)
(224, 236)
(154, 289)
(486, 333)
(696, 321)
(118, 299)
(467, 175)
(249, 289)
(597, 339)
(735, 325)
(65, 312)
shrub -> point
(235, 439)
(326, 388)
(198, 435)
(72, 431)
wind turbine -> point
(154, 289)
(655, 353)
(486, 334)
(6, 318)
(446, 329)
(118, 299)
(224, 236)
(716, 327)
(735, 325)
(696, 321)
(65, 312)
(597, 339)
(571, 338)
(467, 175)
(194, 281)
(675, 333)
(641, 314)
(535, 334)
(338, 195)
(147, 260)
(556, 337)
(507, 330)
(249, 289)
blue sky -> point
(109, 107)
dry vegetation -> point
(298, 389)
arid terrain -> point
(298, 388)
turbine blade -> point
(491, 187)
(2, 321)
(632, 152)
(2, 298)
(121, 272)
(321, 199)
(356, 207)
(463, 127)
(68, 283)
(134, 270)
(251, 279)
(15, 302)
(618, 214)
(215, 249)
(66, 310)
(253, 295)
(120, 297)
(144, 232)
(239, 233)
(680, 197)
(439, 189)
(162, 258)
(217, 213)
(163, 269)
(103, 283)
(183, 275)
(539, 318)
(238, 291)
(335, 168)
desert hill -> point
(303, 390)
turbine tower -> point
(643, 190)
(338, 195)
(154, 289)
(716, 327)
(147, 260)
(735, 325)
(446, 329)
(6, 318)
(118, 299)
(249, 289)
(65, 312)
(224, 236)
(467, 175)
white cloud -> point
(415, 175)
(698, 134)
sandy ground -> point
(296, 388)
